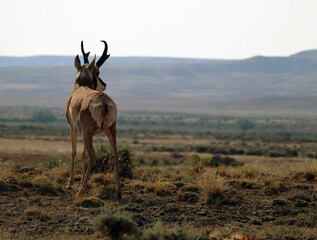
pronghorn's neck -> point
(83, 80)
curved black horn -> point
(104, 55)
(85, 55)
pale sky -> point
(225, 29)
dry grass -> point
(35, 213)
(211, 184)
(311, 167)
(6, 169)
(151, 189)
(101, 179)
(160, 187)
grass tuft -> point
(44, 185)
(34, 213)
(211, 185)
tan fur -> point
(90, 112)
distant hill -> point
(60, 61)
(167, 78)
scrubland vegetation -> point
(184, 176)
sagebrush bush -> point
(199, 163)
(115, 225)
(218, 160)
(104, 159)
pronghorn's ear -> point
(91, 66)
(77, 63)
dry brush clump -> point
(212, 186)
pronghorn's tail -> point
(102, 112)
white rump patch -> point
(97, 110)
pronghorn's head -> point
(88, 74)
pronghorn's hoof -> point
(119, 196)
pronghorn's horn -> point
(104, 55)
(85, 55)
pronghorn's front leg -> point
(111, 134)
(73, 134)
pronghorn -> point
(90, 111)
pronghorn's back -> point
(101, 109)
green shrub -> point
(255, 152)
(218, 160)
(44, 185)
(115, 225)
(43, 116)
(245, 124)
(104, 159)
(283, 153)
(199, 163)
(58, 162)
(24, 182)
(166, 162)
(155, 162)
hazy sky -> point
(175, 28)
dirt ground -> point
(253, 204)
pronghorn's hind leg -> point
(73, 134)
(111, 134)
(92, 159)
(84, 157)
